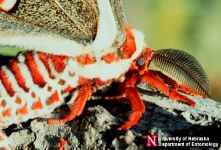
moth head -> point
(142, 62)
(145, 57)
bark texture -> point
(97, 127)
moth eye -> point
(140, 61)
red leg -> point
(175, 86)
(156, 80)
(62, 144)
(84, 95)
(137, 106)
(188, 90)
(169, 81)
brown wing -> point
(71, 19)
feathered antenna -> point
(184, 68)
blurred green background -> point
(193, 26)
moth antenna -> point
(184, 68)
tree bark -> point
(97, 127)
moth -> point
(76, 56)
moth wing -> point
(59, 27)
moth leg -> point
(161, 82)
(137, 108)
(84, 95)
(169, 81)
(62, 144)
(175, 86)
(129, 91)
(7, 5)
(4, 141)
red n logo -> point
(151, 140)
